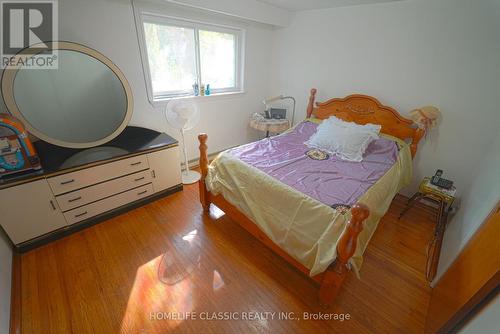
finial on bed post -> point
(337, 271)
(202, 138)
(310, 106)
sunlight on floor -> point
(150, 295)
(217, 281)
(163, 285)
(215, 212)
(166, 285)
(190, 236)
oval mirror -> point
(86, 101)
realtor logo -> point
(28, 24)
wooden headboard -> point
(363, 109)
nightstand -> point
(444, 198)
(269, 124)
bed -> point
(316, 212)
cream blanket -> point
(305, 228)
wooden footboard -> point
(331, 280)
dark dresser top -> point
(55, 159)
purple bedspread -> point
(332, 181)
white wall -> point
(249, 9)
(407, 54)
(108, 26)
(481, 196)
(483, 191)
(5, 266)
(486, 321)
(5, 278)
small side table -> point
(444, 198)
(270, 125)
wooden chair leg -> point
(204, 194)
(337, 272)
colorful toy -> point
(17, 153)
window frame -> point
(155, 18)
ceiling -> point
(297, 5)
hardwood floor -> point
(168, 257)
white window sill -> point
(199, 98)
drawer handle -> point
(139, 178)
(136, 163)
(142, 192)
(75, 199)
(52, 205)
(66, 182)
(81, 214)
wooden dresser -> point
(78, 188)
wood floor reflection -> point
(125, 276)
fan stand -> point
(188, 176)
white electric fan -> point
(183, 114)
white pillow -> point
(347, 140)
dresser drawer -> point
(102, 190)
(86, 177)
(109, 203)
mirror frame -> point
(9, 75)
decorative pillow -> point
(347, 140)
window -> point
(179, 54)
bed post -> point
(310, 106)
(337, 271)
(205, 203)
